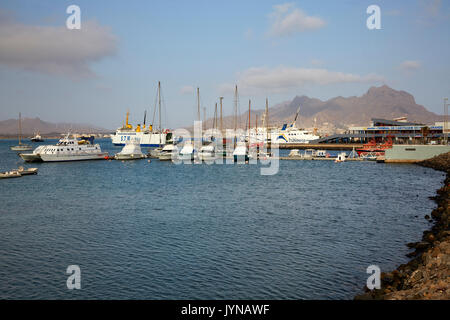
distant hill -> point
(32, 125)
(340, 112)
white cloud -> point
(410, 65)
(317, 62)
(54, 49)
(187, 89)
(286, 20)
(282, 79)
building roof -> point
(377, 121)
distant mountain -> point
(378, 102)
(32, 125)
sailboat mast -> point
(221, 119)
(20, 127)
(266, 119)
(235, 113)
(249, 107)
(159, 110)
(198, 103)
(215, 117)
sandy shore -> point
(427, 275)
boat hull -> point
(129, 156)
(30, 157)
(21, 148)
(149, 140)
(61, 157)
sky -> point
(272, 49)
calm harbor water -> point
(156, 230)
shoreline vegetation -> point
(427, 275)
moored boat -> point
(21, 146)
(10, 174)
(168, 152)
(27, 171)
(131, 151)
(37, 138)
(372, 149)
(72, 149)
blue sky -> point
(276, 49)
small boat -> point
(155, 152)
(168, 152)
(341, 157)
(373, 149)
(21, 146)
(131, 151)
(240, 153)
(294, 153)
(187, 152)
(10, 174)
(37, 138)
(207, 153)
(26, 172)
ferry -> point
(287, 134)
(146, 135)
(68, 149)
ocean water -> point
(141, 230)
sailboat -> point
(154, 153)
(21, 146)
(240, 152)
(188, 152)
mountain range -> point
(339, 112)
(30, 126)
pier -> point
(320, 146)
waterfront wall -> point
(414, 153)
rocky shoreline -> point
(427, 275)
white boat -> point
(240, 153)
(187, 152)
(155, 153)
(37, 138)
(168, 152)
(34, 156)
(292, 134)
(294, 153)
(10, 174)
(341, 157)
(207, 153)
(72, 149)
(21, 146)
(146, 135)
(131, 151)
